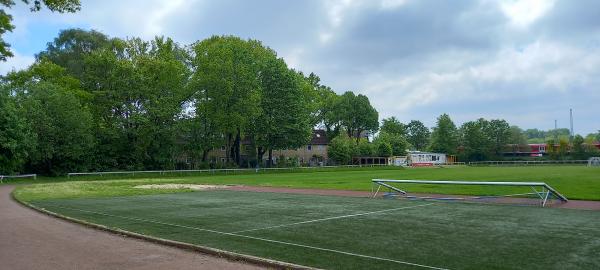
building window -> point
(222, 147)
(309, 147)
(542, 148)
(223, 160)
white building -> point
(418, 158)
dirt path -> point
(571, 204)
(31, 240)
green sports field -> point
(350, 233)
(356, 233)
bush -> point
(340, 150)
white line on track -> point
(330, 218)
(259, 238)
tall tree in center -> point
(227, 72)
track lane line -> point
(331, 218)
(257, 238)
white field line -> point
(330, 218)
(259, 238)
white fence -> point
(3, 177)
(528, 162)
(224, 171)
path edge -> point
(218, 253)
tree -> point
(16, 139)
(340, 149)
(593, 137)
(137, 93)
(418, 134)
(579, 151)
(393, 126)
(365, 149)
(498, 131)
(283, 90)
(227, 71)
(356, 115)
(384, 149)
(475, 140)
(516, 136)
(70, 49)
(60, 6)
(444, 137)
(396, 141)
(54, 105)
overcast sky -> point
(524, 61)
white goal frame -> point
(544, 194)
(594, 161)
(2, 177)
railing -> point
(225, 171)
(2, 177)
(527, 162)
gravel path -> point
(31, 240)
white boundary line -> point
(330, 218)
(259, 238)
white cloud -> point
(524, 12)
(510, 78)
(17, 62)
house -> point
(312, 154)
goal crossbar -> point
(544, 195)
(2, 177)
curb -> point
(171, 243)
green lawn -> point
(408, 235)
(575, 182)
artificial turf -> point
(444, 235)
(575, 182)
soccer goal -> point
(4, 178)
(594, 162)
(540, 192)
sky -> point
(525, 61)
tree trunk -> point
(270, 162)
(204, 155)
(259, 155)
(358, 131)
(237, 144)
(229, 147)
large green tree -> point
(227, 70)
(418, 135)
(391, 125)
(396, 141)
(72, 46)
(6, 25)
(341, 149)
(475, 140)
(498, 131)
(444, 138)
(356, 115)
(16, 139)
(284, 121)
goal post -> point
(541, 190)
(594, 162)
(6, 177)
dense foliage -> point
(91, 102)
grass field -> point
(355, 233)
(351, 233)
(575, 182)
